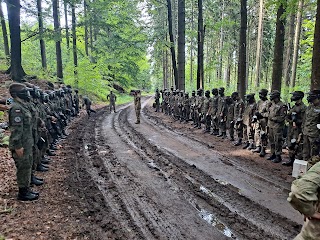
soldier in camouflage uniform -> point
(137, 105)
(230, 117)
(76, 101)
(186, 108)
(310, 130)
(213, 112)
(304, 197)
(205, 111)
(260, 121)
(277, 116)
(222, 113)
(238, 116)
(87, 103)
(113, 98)
(21, 140)
(192, 106)
(248, 130)
(295, 118)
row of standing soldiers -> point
(253, 124)
(37, 121)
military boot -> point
(26, 195)
(238, 143)
(257, 149)
(289, 163)
(277, 159)
(246, 145)
(42, 168)
(35, 181)
(262, 152)
(50, 152)
(220, 134)
(272, 157)
(224, 135)
(45, 160)
(231, 139)
(251, 146)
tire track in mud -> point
(247, 218)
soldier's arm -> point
(282, 115)
(302, 113)
(16, 127)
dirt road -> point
(164, 180)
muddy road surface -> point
(152, 181)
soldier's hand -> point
(315, 216)
(19, 152)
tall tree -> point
(65, 5)
(4, 33)
(278, 48)
(16, 70)
(86, 41)
(315, 76)
(296, 44)
(200, 78)
(259, 43)
(172, 49)
(181, 44)
(57, 30)
(74, 41)
(289, 50)
(242, 65)
(42, 44)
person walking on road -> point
(137, 105)
(113, 98)
(87, 103)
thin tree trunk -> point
(42, 44)
(4, 33)
(289, 51)
(228, 71)
(181, 44)
(242, 65)
(57, 29)
(173, 53)
(16, 70)
(219, 74)
(74, 41)
(259, 43)
(315, 76)
(86, 42)
(65, 4)
(296, 44)
(278, 49)
(200, 78)
(191, 45)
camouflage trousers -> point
(24, 167)
(309, 231)
(36, 157)
(310, 147)
(112, 106)
(276, 140)
(260, 133)
(138, 114)
(248, 133)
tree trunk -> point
(296, 44)
(228, 71)
(86, 42)
(181, 44)
(259, 43)
(4, 33)
(16, 70)
(173, 53)
(42, 44)
(289, 51)
(315, 76)
(219, 73)
(242, 65)
(57, 29)
(200, 78)
(278, 50)
(191, 45)
(74, 41)
(65, 4)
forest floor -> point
(113, 179)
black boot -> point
(42, 168)
(51, 153)
(246, 145)
(289, 163)
(25, 195)
(35, 181)
(251, 146)
(231, 138)
(53, 147)
(257, 149)
(224, 135)
(262, 152)
(272, 157)
(238, 143)
(277, 159)
(40, 179)
(45, 160)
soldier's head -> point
(18, 90)
(199, 92)
(275, 96)
(44, 97)
(207, 94)
(214, 91)
(186, 95)
(193, 93)
(157, 90)
(171, 88)
(314, 97)
(235, 96)
(181, 93)
(229, 100)
(250, 98)
(111, 92)
(76, 91)
(221, 91)
(297, 96)
(263, 93)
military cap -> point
(207, 92)
(221, 89)
(235, 94)
(193, 91)
(263, 91)
(314, 92)
(76, 90)
(14, 88)
(250, 96)
(275, 93)
(299, 94)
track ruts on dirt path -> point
(145, 191)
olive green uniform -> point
(248, 130)
(260, 126)
(238, 118)
(20, 121)
(137, 107)
(113, 98)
